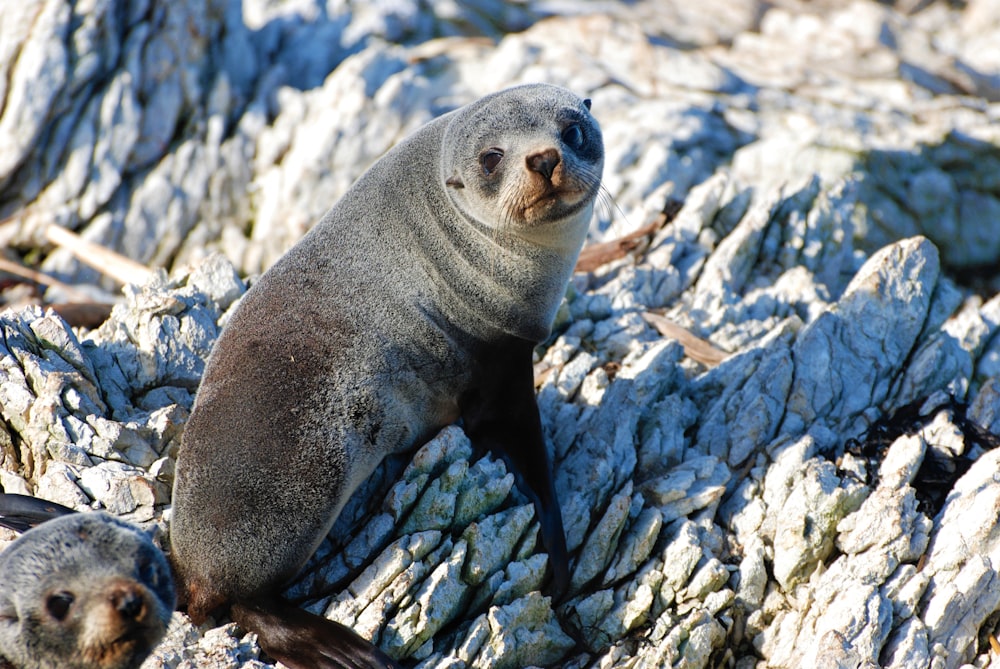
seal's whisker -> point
(506, 224)
(607, 204)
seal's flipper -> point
(501, 415)
(302, 640)
(21, 512)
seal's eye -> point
(572, 136)
(149, 572)
(58, 605)
(490, 159)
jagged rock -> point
(831, 175)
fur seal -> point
(21, 512)
(417, 300)
(82, 591)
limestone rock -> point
(825, 496)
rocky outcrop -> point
(824, 496)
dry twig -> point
(105, 261)
(695, 348)
(602, 253)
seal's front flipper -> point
(501, 415)
(21, 512)
(302, 640)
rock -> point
(829, 177)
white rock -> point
(813, 150)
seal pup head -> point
(526, 161)
(84, 591)
(521, 169)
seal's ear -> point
(8, 612)
(586, 103)
(455, 182)
(9, 624)
(10, 628)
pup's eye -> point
(572, 136)
(149, 571)
(490, 159)
(58, 605)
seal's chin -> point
(126, 651)
(555, 205)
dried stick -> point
(602, 253)
(697, 349)
(88, 315)
(38, 277)
(105, 261)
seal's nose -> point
(543, 162)
(128, 602)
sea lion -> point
(82, 591)
(415, 301)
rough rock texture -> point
(826, 496)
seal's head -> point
(84, 591)
(528, 161)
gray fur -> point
(90, 557)
(360, 341)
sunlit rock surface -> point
(825, 496)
